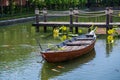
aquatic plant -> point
(110, 39)
(63, 37)
(64, 28)
(112, 33)
(80, 31)
(55, 32)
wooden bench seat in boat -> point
(78, 43)
(70, 48)
(89, 35)
(84, 39)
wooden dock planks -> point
(75, 24)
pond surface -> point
(20, 58)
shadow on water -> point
(51, 70)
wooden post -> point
(37, 19)
(71, 19)
(107, 19)
(110, 13)
(45, 18)
(110, 16)
(76, 13)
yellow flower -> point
(64, 28)
(55, 33)
(111, 31)
(110, 39)
(80, 31)
(64, 37)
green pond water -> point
(20, 57)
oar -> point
(40, 48)
(39, 44)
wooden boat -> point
(70, 49)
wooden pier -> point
(71, 24)
(76, 24)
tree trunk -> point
(11, 6)
(20, 6)
(88, 3)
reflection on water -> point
(22, 35)
(17, 52)
(110, 44)
(15, 42)
(50, 70)
(19, 57)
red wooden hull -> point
(67, 55)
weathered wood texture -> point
(76, 24)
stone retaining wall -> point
(15, 21)
(23, 20)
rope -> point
(116, 10)
(91, 16)
(95, 12)
(82, 13)
(55, 14)
(60, 12)
(115, 15)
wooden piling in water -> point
(76, 13)
(71, 19)
(109, 13)
(107, 19)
